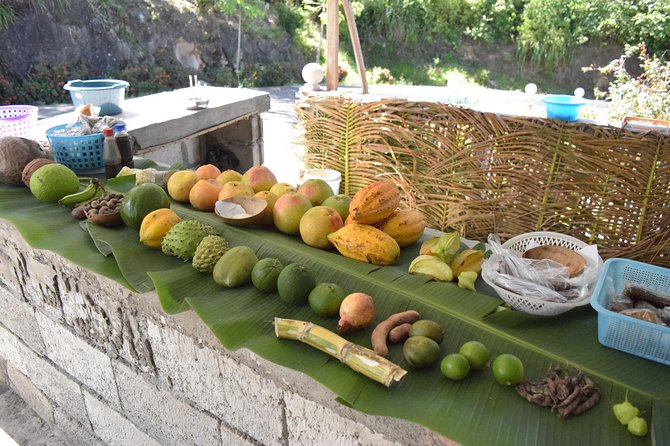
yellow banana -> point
(87, 194)
(433, 267)
(365, 243)
(467, 260)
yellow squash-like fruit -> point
(365, 243)
(467, 260)
(374, 203)
(405, 226)
(155, 225)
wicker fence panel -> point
(482, 172)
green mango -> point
(140, 201)
(234, 268)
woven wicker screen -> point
(482, 172)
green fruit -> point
(140, 201)
(326, 298)
(420, 351)
(208, 252)
(638, 426)
(52, 182)
(455, 366)
(182, 239)
(429, 329)
(234, 267)
(294, 284)
(476, 353)
(507, 369)
(265, 273)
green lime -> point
(455, 366)
(429, 329)
(507, 369)
(476, 353)
(294, 284)
(326, 298)
(265, 274)
(420, 351)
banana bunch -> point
(93, 190)
(431, 266)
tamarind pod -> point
(381, 331)
(399, 333)
(636, 293)
(588, 403)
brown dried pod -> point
(31, 167)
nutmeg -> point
(31, 167)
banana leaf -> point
(474, 411)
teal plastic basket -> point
(83, 154)
(625, 333)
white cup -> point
(330, 176)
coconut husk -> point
(32, 167)
(15, 153)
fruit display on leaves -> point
(208, 252)
(365, 243)
(155, 225)
(184, 237)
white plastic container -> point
(330, 176)
(108, 94)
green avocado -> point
(140, 201)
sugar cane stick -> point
(361, 359)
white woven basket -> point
(529, 304)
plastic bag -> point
(544, 279)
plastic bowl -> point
(563, 106)
(108, 94)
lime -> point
(427, 328)
(265, 273)
(326, 298)
(420, 351)
(455, 366)
(294, 284)
(476, 353)
(507, 369)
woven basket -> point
(83, 154)
(529, 304)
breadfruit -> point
(52, 182)
(183, 238)
(15, 153)
(208, 252)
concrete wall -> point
(107, 366)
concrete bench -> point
(166, 130)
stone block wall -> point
(107, 366)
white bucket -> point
(330, 176)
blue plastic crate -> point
(83, 154)
(625, 333)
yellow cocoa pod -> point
(405, 226)
(374, 203)
(155, 225)
(365, 243)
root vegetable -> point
(382, 330)
(356, 311)
(399, 333)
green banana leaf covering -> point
(476, 410)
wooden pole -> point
(333, 44)
(356, 43)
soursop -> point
(183, 238)
(209, 251)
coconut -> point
(15, 153)
(31, 167)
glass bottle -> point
(125, 145)
(110, 154)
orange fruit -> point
(208, 172)
(203, 195)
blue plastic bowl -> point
(563, 106)
(108, 94)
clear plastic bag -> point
(543, 279)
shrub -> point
(645, 96)
(380, 75)
(44, 83)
